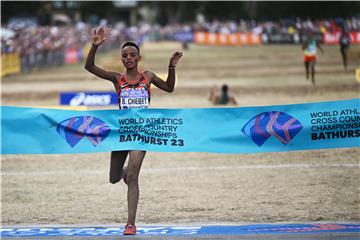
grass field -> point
(321, 185)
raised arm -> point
(97, 40)
(169, 84)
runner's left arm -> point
(169, 84)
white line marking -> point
(211, 168)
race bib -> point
(134, 98)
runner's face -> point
(130, 57)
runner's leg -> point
(132, 174)
(313, 71)
(117, 162)
(306, 69)
(344, 56)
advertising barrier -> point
(10, 64)
(333, 38)
(235, 39)
(88, 98)
(73, 55)
(184, 36)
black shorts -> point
(344, 47)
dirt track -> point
(191, 187)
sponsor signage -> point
(184, 36)
(88, 98)
(280, 128)
(71, 56)
(333, 38)
(233, 39)
(159, 231)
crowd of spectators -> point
(28, 39)
(285, 26)
(35, 38)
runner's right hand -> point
(99, 36)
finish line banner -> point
(279, 128)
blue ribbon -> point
(334, 124)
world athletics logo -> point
(76, 128)
(278, 124)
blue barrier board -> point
(185, 230)
(184, 36)
(88, 98)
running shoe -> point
(129, 229)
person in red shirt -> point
(133, 90)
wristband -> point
(172, 67)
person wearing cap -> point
(138, 84)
